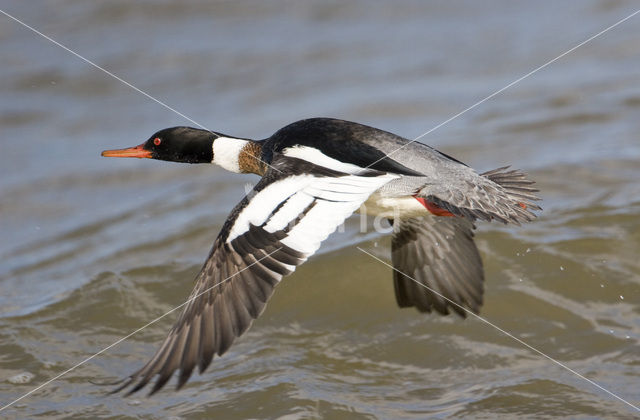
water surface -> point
(94, 248)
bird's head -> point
(175, 144)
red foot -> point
(438, 211)
(524, 206)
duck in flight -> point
(314, 174)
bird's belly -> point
(393, 207)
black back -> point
(345, 141)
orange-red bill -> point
(135, 152)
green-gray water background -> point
(94, 248)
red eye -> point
(157, 141)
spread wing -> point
(293, 208)
(437, 252)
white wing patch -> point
(262, 204)
(321, 221)
(315, 156)
(289, 211)
(320, 203)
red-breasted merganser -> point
(316, 173)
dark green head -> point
(175, 144)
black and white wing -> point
(293, 208)
(439, 253)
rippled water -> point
(94, 248)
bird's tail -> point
(509, 197)
(518, 188)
